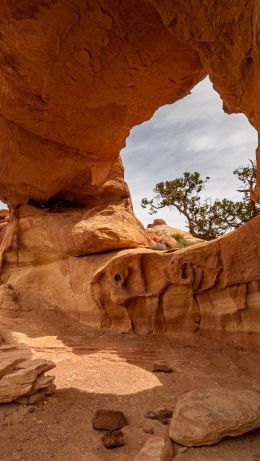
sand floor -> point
(103, 371)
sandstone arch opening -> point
(192, 134)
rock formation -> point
(165, 237)
(22, 379)
(213, 285)
(75, 77)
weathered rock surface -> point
(45, 237)
(109, 420)
(23, 379)
(156, 448)
(205, 417)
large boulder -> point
(207, 416)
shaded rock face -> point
(75, 78)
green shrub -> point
(182, 241)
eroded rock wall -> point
(210, 286)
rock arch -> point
(75, 77)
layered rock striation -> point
(23, 379)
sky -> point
(193, 134)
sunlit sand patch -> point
(106, 373)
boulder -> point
(207, 416)
(109, 420)
(156, 448)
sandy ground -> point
(100, 371)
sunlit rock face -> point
(75, 78)
(210, 286)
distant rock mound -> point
(4, 219)
(164, 237)
(156, 222)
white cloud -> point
(193, 134)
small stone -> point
(163, 415)
(113, 439)
(150, 414)
(156, 448)
(109, 420)
(161, 368)
(147, 428)
(182, 450)
(31, 409)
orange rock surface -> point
(75, 77)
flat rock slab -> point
(109, 420)
(156, 448)
(22, 377)
(205, 417)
